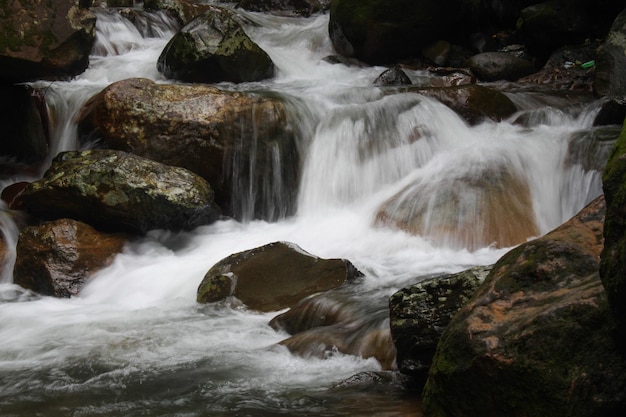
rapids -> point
(135, 342)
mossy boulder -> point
(535, 340)
(272, 277)
(494, 66)
(214, 47)
(243, 144)
(57, 258)
(613, 266)
(50, 40)
(118, 191)
(418, 315)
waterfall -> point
(397, 183)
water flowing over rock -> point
(471, 210)
(57, 258)
(115, 190)
(613, 265)
(213, 47)
(241, 143)
(392, 76)
(535, 339)
(494, 66)
(419, 314)
(273, 277)
(610, 77)
(45, 39)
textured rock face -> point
(272, 277)
(213, 47)
(494, 66)
(242, 144)
(535, 339)
(418, 315)
(114, 190)
(613, 266)
(286, 7)
(610, 77)
(44, 39)
(56, 258)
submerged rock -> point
(213, 47)
(419, 314)
(243, 144)
(57, 258)
(115, 190)
(273, 277)
(535, 339)
(470, 210)
(45, 39)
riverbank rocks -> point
(471, 210)
(535, 340)
(118, 191)
(50, 40)
(494, 66)
(286, 7)
(243, 144)
(272, 277)
(213, 47)
(613, 265)
(57, 258)
(418, 315)
(610, 77)
(380, 32)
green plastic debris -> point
(588, 64)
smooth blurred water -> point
(134, 342)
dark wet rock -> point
(449, 77)
(472, 102)
(392, 76)
(419, 314)
(494, 66)
(535, 339)
(183, 10)
(231, 139)
(370, 378)
(213, 47)
(286, 7)
(24, 131)
(610, 77)
(273, 277)
(57, 258)
(438, 210)
(115, 190)
(613, 265)
(612, 112)
(50, 40)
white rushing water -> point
(134, 342)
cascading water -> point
(134, 342)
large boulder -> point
(213, 47)
(384, 31)
(286, 7)
(24, 131)
(272, 277)
(494, 66)
(57, 258)
(610, 77)
(115, 190)
(471, 210)
(49, 39)
(419, 314)
(241, 143)
(535, 340)
(613, 265)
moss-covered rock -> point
(115, 190)
(57, 258)
(45, 39)
(243, 144)
(613, 266)
(535, 340)
(213, 47)
(272, 277)
(610, 77)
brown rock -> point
(57, 258)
